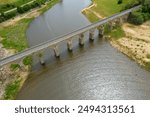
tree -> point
(120, 1)
(136, 18)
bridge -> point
(112, 20)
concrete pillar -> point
(41, 59)
(101, 31)
(91, 34)
(120, 21)
(110, 27)
(69, 45)
(56, 51)
(125, 17)
(81, 39)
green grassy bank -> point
(105, 8)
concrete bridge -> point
(116, 19)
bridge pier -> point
(91, 34)
(69, 45)
(81, 39)
(120, 21)
(56, 51)
(101, 31)
(41, 59)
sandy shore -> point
(136, 43)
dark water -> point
(97, 71)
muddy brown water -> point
(96, 71)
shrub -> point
(148, 56)
(136, 18)
(27, 60)
(14, 66)
(9, 15)
(26, 8)
(131, 4)
(2, 18)
(120, 1)
(20, 10)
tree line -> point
(139, 16)
(20, 9)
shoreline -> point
(16, 78)
(142, 60)
(135, 47)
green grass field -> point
(105, 8)
(13, 1)
(7, 1)
(14, 36)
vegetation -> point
(14, 36)
(148, 56)
(117, 33)
(21, 6)
(141, 15)
(14, 66)
(12, 89)
(10, 4)
(27, 60)
(105, 8)
(147, 65)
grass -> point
(148, 56)
(14, 67)
(90, 16)
(14, 36)
(27, 60)
(48, 5)
(117, 33)
(105, 8)
(7, 1)
(12, 90)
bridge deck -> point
(47, 44)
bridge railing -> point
(57, 40)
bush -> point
(20, 10)
(14, 66)
(146, 16)
(9, 15)
(148, 56)
(2, 18)
(26, 8)
(136, 18)
(120, 1)
(27, 60)
(131, 4)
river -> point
(97, 71)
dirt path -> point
(92, 11)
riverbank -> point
(134, 41)
(13, 39)
(103, 8)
